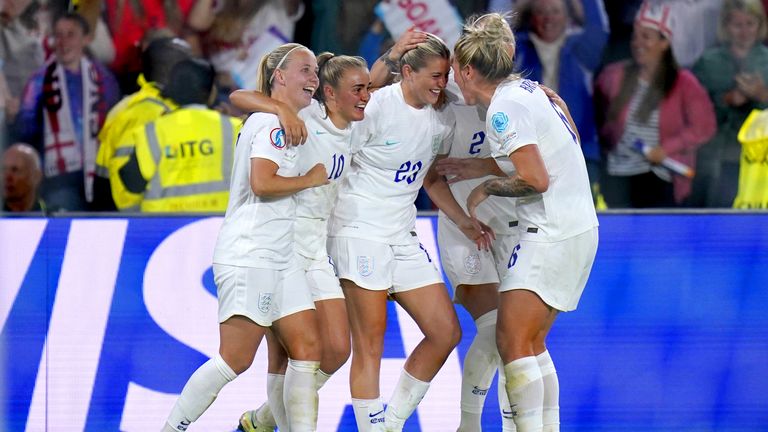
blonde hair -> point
(751, 7)
(331, 68)
(418, 57)
(277, 59)
(488, 45)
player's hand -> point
(474, 199)
(407, 41)
(478, 232)
(554, 97)
(317, 175)
(458, 169)
(293, 127)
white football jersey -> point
(393, 148)
(258, 232)
(330, 146)
(469, 141)
(521, 114)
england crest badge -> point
(365, 265)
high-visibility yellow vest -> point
(186, 158)
(753, 168)
(115, 140)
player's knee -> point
(513, 343)
(308, 348)
(446, 335)
(338, 352)
(238, 361)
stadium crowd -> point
(81, 79)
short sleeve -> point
(510, 126)
(265, 137)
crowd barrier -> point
(104, 319)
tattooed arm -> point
(531, 178)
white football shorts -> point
(321, 276)
(262, 295)
(379, 266)
(556, 271)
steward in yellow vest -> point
(753, 168)
(183, 160)
(134, 110)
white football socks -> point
(409, 391)
(480, 365)
(274, 406)
(300, 395)
(200, 392)
(369, 414)
(507, 422)
(525, 389)
(551, 414)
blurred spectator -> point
(237, 33)
(183, 160)
(5, 97)
(695, 21)
(130, 21)
(100, 46)
(340, 25)
(21, 179)
(649, 101)
(136, 109)
(736, 76)
(564, 58)
(63, 107)
(21, 47)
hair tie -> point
(282, 60)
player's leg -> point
(331, 316)
(551, 404)
(239, 340)
(297, 330)
(243, 317)
(442, 333)
(334, 336)
(367, 311)
(271, 413)
(522, 315)
(482, 359)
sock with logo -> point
(409, 391)
(480, 365)
(507, 422)
(526, 393)
(300, 395)
(551, 405)
(369, 414)
(322, 378)
(200, 392)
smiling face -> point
(297, 81)
(70, 43)
(349, 98)
(423, 87)
(549, 19)
(648, 46)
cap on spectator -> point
(658, 16)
